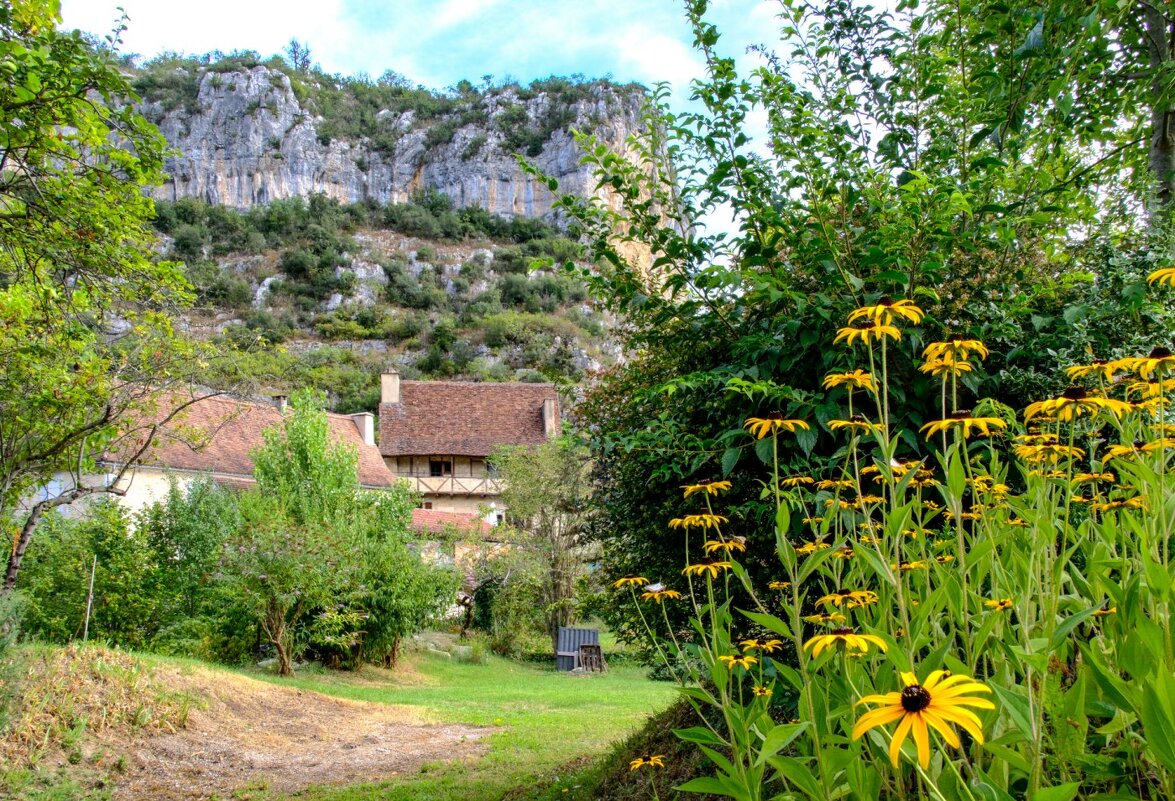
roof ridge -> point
(482, 383)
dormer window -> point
(440, 467)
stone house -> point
(438, 435)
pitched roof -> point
(216, 434)
(461, 418)
(433, 521)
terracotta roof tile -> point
(216, 435)
(432, 521)
(462, 419)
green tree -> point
(546, 489)
(85, 312)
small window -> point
(428, 504)
(437, 467)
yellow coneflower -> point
(702, 521)
(657, 592)
(1105, 609)
(999, 605)
(940, 368)
(905, 565)
(655, 761)
(874, 499)
(708, 487)
(829, 484)
(886, 311)
(1074, 402)
(937, 703)
(812, 547)
(1101, 368)
(629, 581)
(846, 637)
(844, 552)
(857, 424)
(813, 520)
(761, 692)
(831, 617)
(1160, 360)
(955, 348)
(738, 660)
(1094, 478)
(710, 568)
(795, 481)
(761, 427)
(849, 598)
(867, 333)
(944, 558)
(963, 420)
(778, 586)
(1152, 388)
(733, 544)
(857, 379)
(766, 646)
(868, 540)
(1127, 503)
(1050, 453)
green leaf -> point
(1062, 792)
(700, 735)
(779, 738)
(769, 622)
(730, 458)
(798, 774)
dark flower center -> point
(885, 300)
(844, 593)
(1074, 394)
(867, 324)
(1160, 353)
(1139, 444)
(842, 631)
(858, 418)
(1098, 362)
(915, 698)
(960, 414)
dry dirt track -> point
(249, 733)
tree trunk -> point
(1160, 41)
(275, 629)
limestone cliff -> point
(251, 136)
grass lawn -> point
(548, 720)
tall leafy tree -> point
(86, 335)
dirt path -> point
(251, 734)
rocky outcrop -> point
(247, 139)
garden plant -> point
(992, 621)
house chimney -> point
(365, 422)
(389, 387)
(550, 418)
(280, 402)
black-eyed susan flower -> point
(1105, 609)
(812, 547)
(655, 761)
(1164, 275)
(726, 546)
(857, 379)
(708, 487)
(844, 552)
(702, 521)
(908, 565)
(845, 637)
(761, 691)
(886, 311)
(944, 559)
(1074, 402)
(857, 424)
(795, 481)
(830, 484)
(956, 348)
(963, 421)
(813, 520)
(709, 568)
(849, 598)
(1159, 361)
(1099, 368)
(1121, 503)
(658, 592)
(766, 646)
(743, 661)
(629, 581)
(999, 604)
(831, 617)
(942, 368)
(778, 586)
(1047, 453)
(866, 333)
(761, 427)
(1094, 478)
(939, 702)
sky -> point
(439, 42)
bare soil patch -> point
(251, 734)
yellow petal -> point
(876, 717)
(964, 718)
(921, 739)
(942, 727)
(899, 737)
(888, 698)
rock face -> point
(248, 140)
